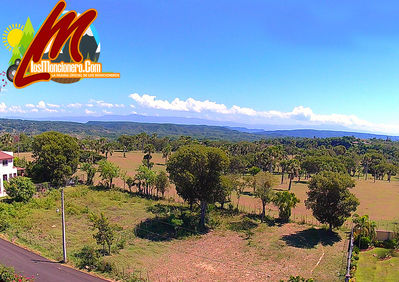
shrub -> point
(20, 189)
(363, 242)
(7, 274)
(389, 244)
(88, 258)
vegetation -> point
(56, 158)
(330, 199)
(108, 171)
(20, 189)
(196, 171)
(7, 274)
(263, 189)
(207, 175)
(285, 201)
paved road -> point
(32, 265)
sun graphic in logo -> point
(12, 36)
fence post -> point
(348, 264)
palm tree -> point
(366, 163)
(285, 201)
(284, 166)
(364, 227)
(166, 151)
(292, 170)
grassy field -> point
(238, 247)
(374, 265)
(378, 200)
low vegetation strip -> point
(378, 264)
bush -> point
(20, 189)
(88, 258)
(389, 244)
(7, 274)
(363, 242)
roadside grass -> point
(160, 240)
(374, 265)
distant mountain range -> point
(311, 133)
(112, 129)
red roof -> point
(5, 156)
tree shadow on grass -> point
(310, 238)
(170, 222)
(251, 194)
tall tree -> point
(264, 181)
(90, 172)
(162, 183)
(56, 157)
(196, 171)
(330, 199)
(293, 167)
(108, 171)
(166, 151)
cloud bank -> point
(299, 116)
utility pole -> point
(63, 227)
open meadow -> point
(237, 247)
(378, 200)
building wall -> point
(7, 171)
(383, 235)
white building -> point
(7, 169)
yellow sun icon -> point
(12, 35)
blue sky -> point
(303, 64)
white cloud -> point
(107, 112)
(3, 107)
(74, 105)
(34, 110)
(30, 106)
(102, 104)
(41, 105)
(16, 109)
(88, 112)
(300, 115)
(50, 110)
(53, 105)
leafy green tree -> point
(108, 171)
(166, 152)
(285, 201)
(228, 184)
(108, 148)
(254, 170)
(162, 183)
(56, 157)
(391, 170)
(126, 142)
(147, 177)
(196, 171)
(330, 199)
(264, 181)
(20, 189)
(130, 183)
(90, 172)
(105, 232)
